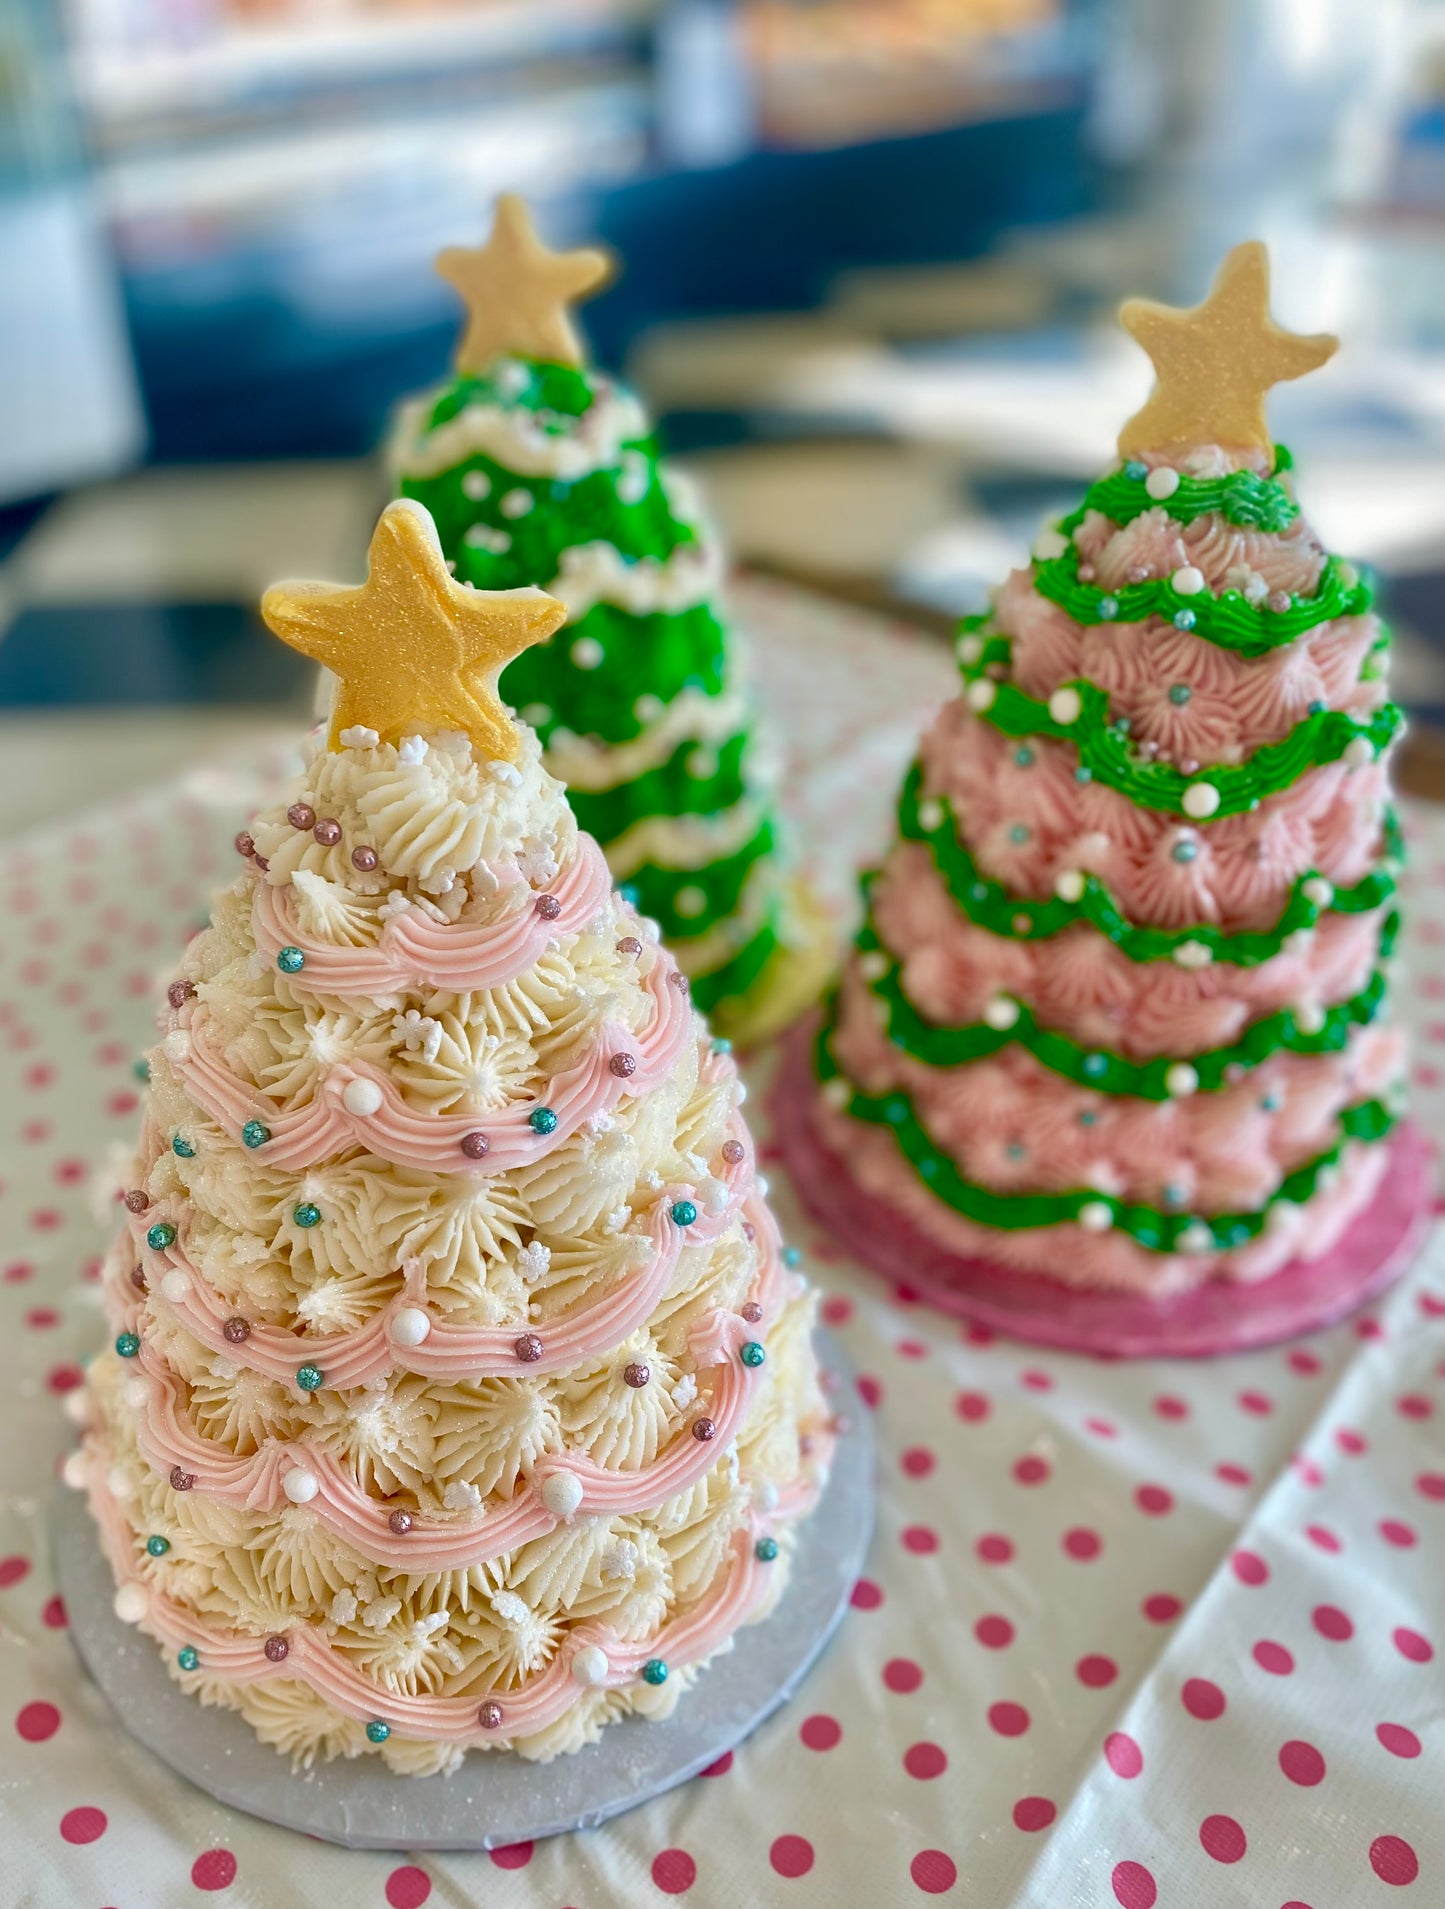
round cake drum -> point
(1375, 1249)
(494, 1799)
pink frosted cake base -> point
(1376, 1248)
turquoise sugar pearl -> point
(721, 1045)
(307, 1214)
(188, 1657)
(1095, 1064)
(158, 1546)
(542, 1120)
(1184, 619)
(1019, 833)
(752, 1353)
(182, 1148)
(684, 1212)
(1015, 1150)
(309, 1378)
(160, 1236)
(255, 1133)
(290, 960)
(1108, 609)
(628, 893)
(377, 1731)
(1083, 774)
(1318, 706)
(1023, 756)
(1269, 1103)
(1184, 851)
(1088, 1118)
(654, 1671)
(1175, 1196)
(141, 1069)
(765, 1550)
(127, 1345)
(792, 1256)
(1135, 471)
(1179, 694)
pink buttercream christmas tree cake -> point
(1116, 1012)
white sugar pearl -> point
(1096, 1216)
(1162, 483)
(137, 1394)
(130, 1603)
(1359, 752)
(300, 1485)
(1280, 1216)
(930, 815)
(586, 652)
(1327, 1179)
(1049, 543)
(1001, 1013)
(361, 1097)
(981, 693)
(1193, 954)
(175, 1285)
(536, 714)
(873, 965)
(1188, 581)
(515, 503)
(1201, 799)
(410, 1326)
(1181, 1080)
(1066, 706)
(1299, 941)
(590, 1666)
(562, 1494)
(1319, 891)
(119, 1483)
(76, 1470)
(648, 708)
(1309, 1017)
(690, 901)
(1070, 885)
(1196, 1238)
(837, 1093)
(1349, 576)
(476, 485)
(970, 648)
(75, 1406)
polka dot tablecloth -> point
(1130, 1634)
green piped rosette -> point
(755, 947)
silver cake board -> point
(495, 1798)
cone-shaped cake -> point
(460, 1396)
(538, 468)
(1115, 1013)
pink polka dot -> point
(1302, 1763)
(37, 1721)
(918, 1461)
(837, 1311)
(1307, 1364)
(1037, 1381)
(1033, 1813)
(1008, 1719)
(975, 1333)
(1393, 1861)
(1331, 1622)
(1122, 1754)
(1031, 1470)
(866, 1595)
(1101, 1427)
(1134, 1887)
(407, 1887)
(1096, 1672)
(994, 1548)
(1352, 1443)
(920, 1539)
(791, 1855)
(1411, 1644)
(1257, 1404)
(1233, 1474)
(902, 1675)
(12, 1569)
(1323, 1538)
(1369, 1329)
(870, 1391)
(42, 1318)
(83, 1825)
(214, 1869)
(673, 1871)
(1203, 1699)
(994, 1632)
(1398, 1739)
(972, 1407)
(933, 1872)
(1249, 1567)
(1414, 1405)
(912, 1349)
(821, 1733)
(1396, 1532)
(1431, 1485)
(1222, 1838)
(1273, 1657)
(53, 1614)
(924, 1761)
(1082, 1544)
(1168, 1406)
(512, 1855)
(1162, 1607)
(64, 1378)
(723, 1764)
(1154, 1500)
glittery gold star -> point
(415, 652)
(1214, 362)
(517, 292)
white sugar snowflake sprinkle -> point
(377, 1616)
(342, 1608)
(358, 736)
(418, 1034)
(537, 862)
(617, 1219)
(534, 1262)
(441, 881)
(506, 772)
(597, 1124)
(460, 1496)
(621, 1559)
(509, 1608)
(684, 1392)
(397, 903)
(411, 750)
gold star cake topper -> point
(1214, 362)
(415, 652)
(517, 292)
